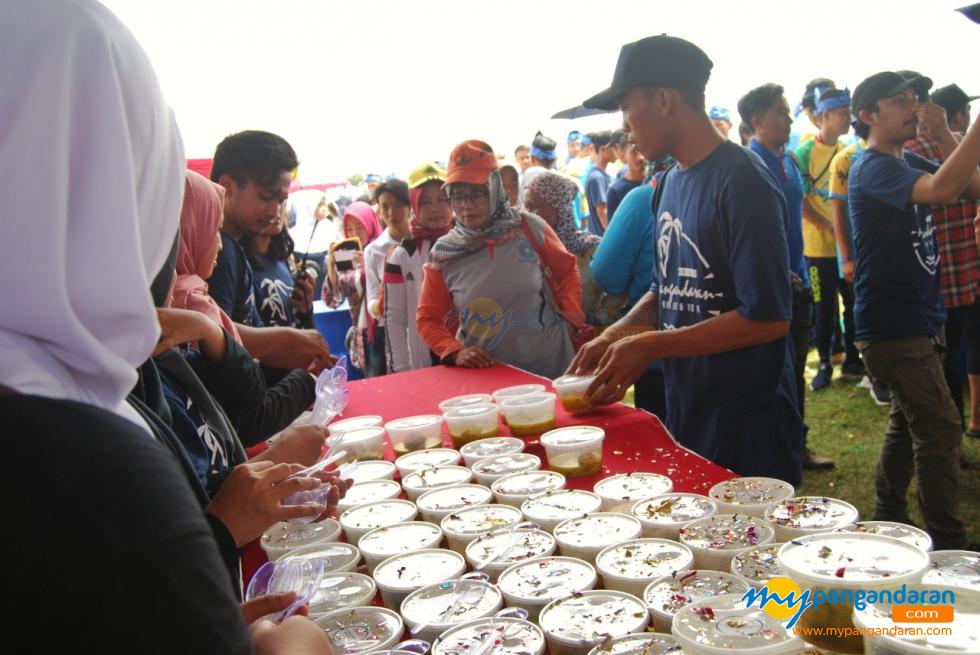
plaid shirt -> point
(959, 261)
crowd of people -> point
(661, 256)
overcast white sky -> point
(384, 85)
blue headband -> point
(574, 136)
(719, 114)
(543, 155)
(586, 140)
(373, 177)
(826, 104)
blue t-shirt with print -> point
(596, 188)
(273, 288)
(789, 179)
(720, 246)
(896, 282)
(231, 283)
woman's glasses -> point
(460, 200)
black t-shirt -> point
(106, 549)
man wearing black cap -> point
(898, 309)
(719, 306)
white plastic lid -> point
(369, 492)
(530, 400)
(509, 547)
(907, 533)
(591, 616)
(954, 568)
(464, 401)
(430, 477)
(529, 483)
(598, 530)
(378, 514)
(507, 463)
(574, 435)
(727, 532)
(372, 470)
(759, 564)
(724, 623)
(672, 592)
(560, 505)
(963, 637)
(354, 423)
(817, 513)
(492, 446)
(292, 535)
(509, 637)
(481, 519)
(454, 498)
(627, 487)
(360, 434)
(520, 390)
(339, 590)
(431, 457)
(646, 643)
(640, 559)
(361, 629)
(843, 559)
(469, 411)
(400, 538)
(543, 580)
(426, 605)
(568, 380)
(674, 509)
(413, 422)
(419, 568)
(751, 491)
(335, 556)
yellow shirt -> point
(815, 159)
(840, 169)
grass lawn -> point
(848, 426)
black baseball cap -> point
(886, 85)
(951, 97)
(665, 61)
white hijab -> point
(91, 176)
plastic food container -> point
(340, 590)
(964, 630)
(471, 423)
(490, 469)
(477, 450)
(381, 543)
(440, 606)
(663, 516)
(465, 401)
(620, 492)
(907, 533)
(415, 433)
(751, 496)
(284, 537)
(360, 630)
(360, 520)
(361, 444)
(805, 515)
(525, 415)
(571, 392)
(954, 568)
(584, 537)
(439, 503)
(372, 470)
(552, 507)
(428, 478)
(838, 561)
(643, 643)
(400, 575)
(577, 624)
(354, 423)
(290, 574)
(632, 565)
(574, 451)
(759, 565)
(724, 624)
(508, 636)
(336, 557)
(533, 584)
(465, 525)
(507, 393)
(664, 597)
(498, 551)
(715, 540)
(413, 461)
(515, 488)
(368, 492)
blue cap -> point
(373, 177)
(719, 114)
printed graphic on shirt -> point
(277, 294)
(924, 243)
(219, 458)
(525, 252)
(684, 291)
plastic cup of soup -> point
(362, 444)
(439, 503)
(505, 636)
(805, 515)
(954, 568)
(571, 392)
(586, 536)
(532, 584)
(576, 625)
(340, 590)
(632, 565)
(413, 461)
(724, 624)
(526, 415)
(490, 469)
(373, 470)
(400, 575)
(666, 596)
(515, 488)
(759, 565)
(465, 525)
(354, 423)
(477, 450)
(574, 451)
(749, 495)
(361, 630)
(336, 557)
(662, 516)
(440, 606)
(620, 492)
(381, 543)
(907, 533)
(716, 539)
(553, 507)
(839, 561)
(415, 433)
(471, 423)
(368, 492)
(465, 401)
(500, 395)
(643, 643)
(358, 521)
(497, 551)
(284, 537)
(428, 478)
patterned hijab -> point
(559, 191)
(503, 225)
